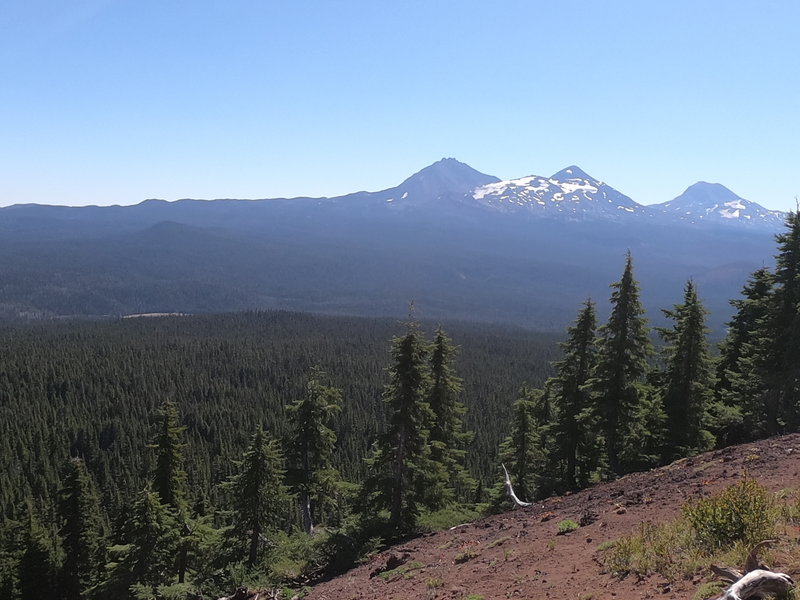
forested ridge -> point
(200, 453)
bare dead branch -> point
(510, 490)
(752, 558)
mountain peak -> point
(713, 202)
(572, 172)
(445, 176)
(711, 192)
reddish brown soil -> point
(519, 555)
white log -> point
(510, 490)
(759, 584)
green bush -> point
(742, 513)
(566, 526)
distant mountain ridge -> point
(462, 244)
(570, 194)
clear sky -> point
(116, 101)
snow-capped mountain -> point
(569, 193)
(714, 203)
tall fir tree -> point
(81, 532)
(402, 472)
(575, 444)
(740, 391)
(783, 350)
(448, 437)
(523, 451)
(311, 447)
(148, 558)
(258, 494)
(169, 479)
(623, 349)
(37, 566)
(750, 315)
(686, 388)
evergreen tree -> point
(311, 446)
(447, 435)
(740, 390)
(751, 313)
(783, 341)
(258, 495)
(687, 380)
(147, 560)
(573, 442)
(762, 376)
(523, 452)
(623, 349)
(402, 472)
(81, 532)
(12, 537)
(37, 567)
(169, 479)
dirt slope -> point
(519, 555)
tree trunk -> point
(398, 476)
(305, 507)
(252, 555)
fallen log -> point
(759, 584)
(757, 580)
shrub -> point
(566, 526)
(742, 513)
(464, 556)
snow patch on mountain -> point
(570, 192)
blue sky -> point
(112, 102)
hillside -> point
(519, 555)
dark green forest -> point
(180, 457)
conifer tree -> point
(81, 532)
(37, 567)
(623, 349)
(686, 388)
(447, 435)
(523, 451)
(751, 313)
(764, 380)
(258, 495)
(573, 442)
(311, 446)
(169, 479)
(147, 560)
(12, 536)
(783, 345)
(402, 472)
(740, 390)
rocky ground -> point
(519, 554)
